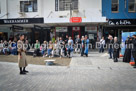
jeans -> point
(49, 51)
(101, 48)
(14, 51)
(110, 52)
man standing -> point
(70, 47)
(110, 46)
(86, 46)
(82, 45)
(22, 61)
(77, 41)
(66, 40)
(134, 49)
(102, 43)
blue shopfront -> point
(121, 16)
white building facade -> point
(52, 16)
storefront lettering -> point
(16, 21)
(120, 22)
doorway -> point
(75, 31)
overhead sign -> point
(76, 20)
(61, 29)
(76, 28)
(22, 21)
(17, 27)
(91, 29)
(122, 21)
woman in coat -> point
(22, 61)
(127, 54)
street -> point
(93, 73)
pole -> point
(70, 10)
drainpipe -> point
(7, 8)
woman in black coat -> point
(127, 54)
(116, 48)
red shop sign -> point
(76, 19)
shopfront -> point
(27, 26)
(117, 26)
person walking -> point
(134, 49)
(22, 60)
(102, 44)
(116, 47)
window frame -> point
(134, 7)
(27, 4)
(118, 7)
(67, 8)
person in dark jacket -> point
(134, 49)
(77, 41)
(82, 45)
(116, 47)
(110, 46)
(127, 54)
(66, 39)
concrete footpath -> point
(94, 73)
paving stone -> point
(78, 76)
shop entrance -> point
(75, 31)
(3, 36)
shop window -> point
(115, 6)
(28, 6)
(132, 6)
(65, 5)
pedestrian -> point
(110, 46)
(134, 49)
(127, 54)
(70, 47)
(77, 41)
(66, 39)
(82, 45)
(102, 44)
(22, 60)
(116, 47)
(86, 46)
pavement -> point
(93, 73)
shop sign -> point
(91, 29)
(61, 29)
(76, 20)
(17, 27)
(76, 29)
(22, 21)
(122, 21)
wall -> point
(89, 10)
(14, 9)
